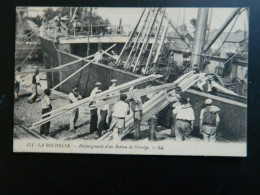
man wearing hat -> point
(98, 56)
(137, 108)
(120, 111)
(18, 79)
(46, 107)
(184, 120)
(209, 120)
(35, 83)
(93, 113)
(74, 96)
(115, 55)
(113, 81)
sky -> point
(130, 16)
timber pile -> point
(99, 96)
(158, 102)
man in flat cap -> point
(93, 113)
(137, 108)
(114, 82)
(46, 107)
(184, 120)
(74, 96)
(209, 120)
(35, 83)
(120, 111)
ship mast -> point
(199, 40)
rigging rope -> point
(27, 57)
(223, 42)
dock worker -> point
(18, 79)
(121, 110)
(102, 113)
(173, 97)
(98, 56)
(184, 120)
(35, 83)
(46, 107)
(115, 55)
(209, 121)
(93, 112)
(137, 108)
(74, 96)
(113, 85)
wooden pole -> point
(73, 62)
(130, 37)
(199, 39)
(161, 44)
(155, 42)
(221, 29)
(145, 44)
(137, 39)
(81, 68)
(69, 107)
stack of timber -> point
(158, 102)
(102, 95)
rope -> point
(177, 21)
(223, 42)
(25, 40)
(27, 57)
(209, 24)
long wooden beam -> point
(81, 68)
(69, 107)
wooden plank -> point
(130, 38)
(80, 69)
(69, 107)
(155, 42)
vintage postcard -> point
(149, 81)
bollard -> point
(153, 128)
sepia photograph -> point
(132, 81)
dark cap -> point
(123, 97)
(47, 91)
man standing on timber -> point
(46, 107)
(184, 120)
(35, 83)
(98, 56)
(93, 113)
(74, 96)
(209, 121)
(137, 108)
(113, 81)
(115, 55)
(121, 110)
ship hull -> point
(233, 113)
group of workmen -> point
(183, 120)
(111, 117)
